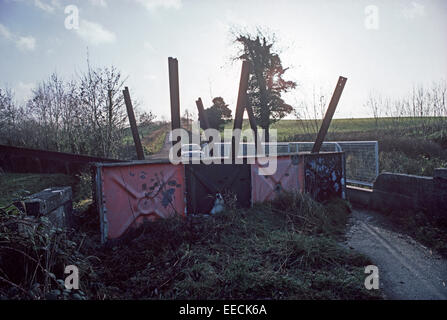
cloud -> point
(414, 10)
(95, 33)
(44, 6)
(24, 43)
(48, 6)
(4, 32)
(99, 3)
(165, 4)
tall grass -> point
(285, 249)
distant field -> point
(287, 129)
(409, 145)
(406, 145)
(152, 138)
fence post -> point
(133, 124)
(174, 94)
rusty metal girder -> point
(329, 114)
(133, 124)
(202, 115)
(174, 93)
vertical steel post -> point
(329, 114)
(202, 116)
(109, 129)
(241, 104)
(133, 124)
(242, 95)
(174, 94)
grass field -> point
(15, 186)
(289, 129)
(406, 145)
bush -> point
(33, 257)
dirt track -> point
(407, 269)
(164, 151)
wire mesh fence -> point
(362, 157)
(362, 161)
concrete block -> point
(405, 184)
(392, 191)
(440, 173)
(359, 196)
(54, 203)
(402, 191)
(440, 186)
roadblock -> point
(130, 193)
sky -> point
(380, 46)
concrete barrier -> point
(393, 191)
(129, 193)
(403, 192)
(359, 196)
(53, 203)
(440, 186)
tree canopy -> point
(218, 114)
(266, 81)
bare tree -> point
(85, 115)
(101, 98)
(8, 115)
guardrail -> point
(26, 160)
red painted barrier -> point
(289, 176)
(131, 194)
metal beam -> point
(174, 93)
(202, 115)
(133, 124)
(329, 114)
(241, 103)
(242, 95)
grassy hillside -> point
(152, 138)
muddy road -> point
(407, 269)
